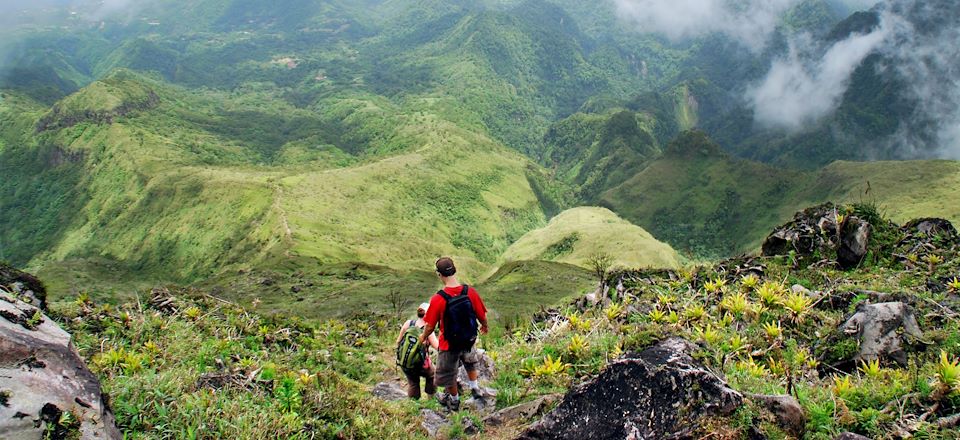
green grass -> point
(708, 204)
(576, 235)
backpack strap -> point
(444, 295)
(466, 289)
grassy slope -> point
(590, 231)
(314, 377)
(183, 190)
(701, 201)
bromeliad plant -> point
(954, 285)
(798, 304)
(578, 346)
(736, 303)
(948, 375)
(770, 293)
(715, 285)
(749, 281)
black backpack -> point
(459, 321)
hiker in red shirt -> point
(457, 308)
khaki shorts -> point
(448, 365)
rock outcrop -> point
(521, 411)
(816, 231)
(42, 377)
(880, 328)
(658, 393)
(786, 410)
(24, 286)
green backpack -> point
(410, 354)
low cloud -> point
(928, 62)
(809, 82)
(797, 91)
(750, 22)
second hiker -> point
(457, 308)
(414, 357)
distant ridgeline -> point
(266, 147)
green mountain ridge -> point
(703, 201)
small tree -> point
(600, 263)
(398, 302)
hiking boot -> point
(448, 402)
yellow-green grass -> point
(590, 231)
(519, 288)
(905, 190)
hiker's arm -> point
(427, 331)
(483, 325)
(403, 329)
(434, 342)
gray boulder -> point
(786, 410)
(42, 377)
(658, 393)
(389, 391)
(521, 411)
(880, 328)
(433, 422)
(854, 239)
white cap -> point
(424, 307)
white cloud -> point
(797, 92)
(748, 21)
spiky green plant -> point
(714, 286)
(770, 293)
(749, 281)
(871, 368)
(551, 367)
(694, 312)
(798, 304)
(954, 285)
(752, 368)
(578, 346)
(736, 303)
(614, 311)
(948, 374)
(772, 330)
(657, 315)
(710, 335)
(842, 385)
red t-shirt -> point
(438, 305)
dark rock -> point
(657, 393)
(854, 239)
(878, 328)
(810, 230)
(24, 285)
(521, 411)
(928, 229)
(389, 391)
(787, 410)
(735, 268)
(163, 301)
(469, 427)
(851, 436)
(295, 289)
(43, 377)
